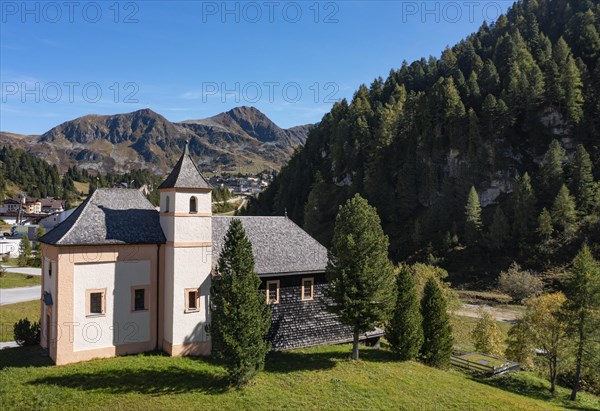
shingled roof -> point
(109, 216)
(278, 244)
(185, 174)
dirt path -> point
(501, 313)
(244, 201)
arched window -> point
(167, 204)
(193, 205)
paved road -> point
(20, 294)
(23, 270)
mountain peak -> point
(245, 111)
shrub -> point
(519, 284)
(26, 332)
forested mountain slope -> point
(513, 111)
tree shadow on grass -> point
(24, 357)
(536, 389)
(151, 380)
(291, 361)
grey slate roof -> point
(185, 174)
(124, 216)
(110, 216)
(278, 245)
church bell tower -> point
(185, 218)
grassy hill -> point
(317, 378)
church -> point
(120, 276)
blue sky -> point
(189, 60)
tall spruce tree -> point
(240, 319)
(545, 228)
(564, 213)
(437, 331)
(314, 220)
(583, 307)
(405, 329)
(582, 179)
(523, 206)
(472, 218)
(499, 231)
(552, 172)
(361, 279)
(570, 81)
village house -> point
(121, 277)
(32, 206)
(11, 206)
(51, 205)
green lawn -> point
(317, 378)
(11, 313)
(10, 262)
(12, 280)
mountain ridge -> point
(242, 137)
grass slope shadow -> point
(154, 378)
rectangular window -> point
(139, 298)
(192, 300)
(307, 289)
(273, 292)
(96, 301)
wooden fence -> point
(483, 368)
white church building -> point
(120, 277)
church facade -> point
(121, 277)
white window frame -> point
(268, 292)
(88, 302)
(187, 300)
(312, 289)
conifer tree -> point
(552, 173)
(240, 319)
(523, 206)
(583, 307)
(473, 86)
(37, 246)
(361, 280)
(499, 230)
(437, 331)
(545, 228)
(582, 179)
(489, 79)
(404, 331)
(474, 137)
(472, 218)
(314, 220)
(24, 251)
(570, 81)
(486, 336)
(564, 213)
